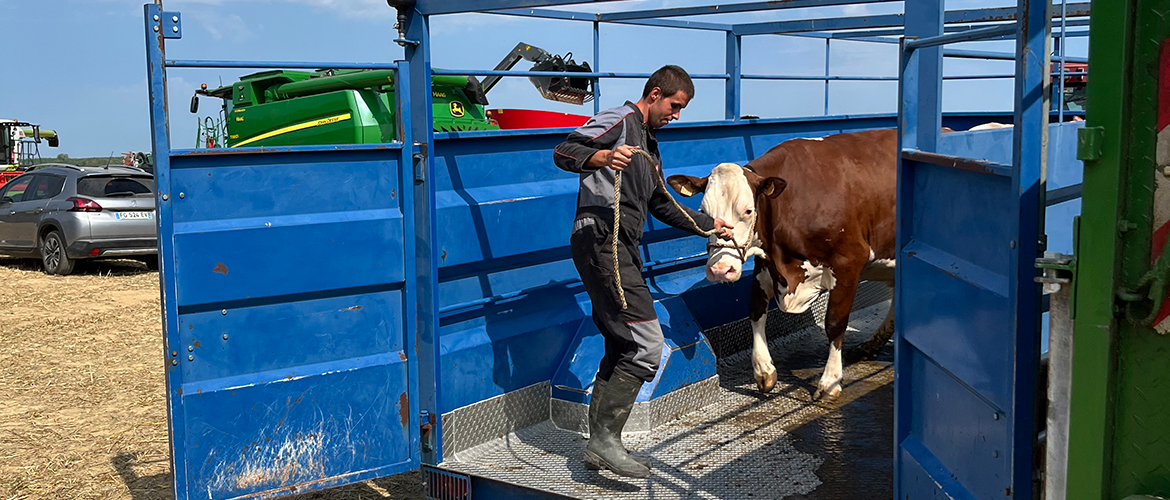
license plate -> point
(133, 215)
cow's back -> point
(840, 189)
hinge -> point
(1090, 143)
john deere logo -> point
(456, 109)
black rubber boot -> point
(598, 387)
(605, 450)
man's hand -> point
(724, 230)
(617, 159)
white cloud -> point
(231, 27)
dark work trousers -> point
(633, 337)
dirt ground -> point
(82, 408)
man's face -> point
(664, 109)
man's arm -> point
(666, 211)
(593, 145)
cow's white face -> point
(729, 194)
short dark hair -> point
(670, 79)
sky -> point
(79, 66)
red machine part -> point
(530, 118)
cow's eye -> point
(749, 212)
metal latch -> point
(1059, 270)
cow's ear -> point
(771, 186)
(687, 185)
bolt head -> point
(166, 197)
(156, 28)
(190, 358)
(182, 195)
(175, 18)
(174, 362)
(1166, 171)
(190, 348)
(224, 312)
(174, 353)
(225, 336)
(156, 18)
(175, 29)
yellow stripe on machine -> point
(293, 128)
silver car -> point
(64, 213)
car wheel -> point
(53, 255)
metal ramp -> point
(746, 446)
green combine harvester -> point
(330, 106)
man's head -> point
(667, 92)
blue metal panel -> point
(285, 379)
(968, 310)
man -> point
(606, 145)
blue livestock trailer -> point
(423, 312)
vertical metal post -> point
(922, 99)
(161, 151)
(403, 98)
(1061, 48)
(418, 60)
(828, 50)
(1105, 204)
(596, 66)
(734, 84)
(920, 120)
(1030, 156)
(1060, 344)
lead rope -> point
(617, 221)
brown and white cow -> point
(819, 216)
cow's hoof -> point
(766, 381)
(828, 393)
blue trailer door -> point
(288, 307)
(968, 314)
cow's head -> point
(730, 193)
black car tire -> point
(53, 255)
(151, 262)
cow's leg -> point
(876, 342)
(880, 271)
(762, 292)
(836, 322)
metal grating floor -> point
(746, 446)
